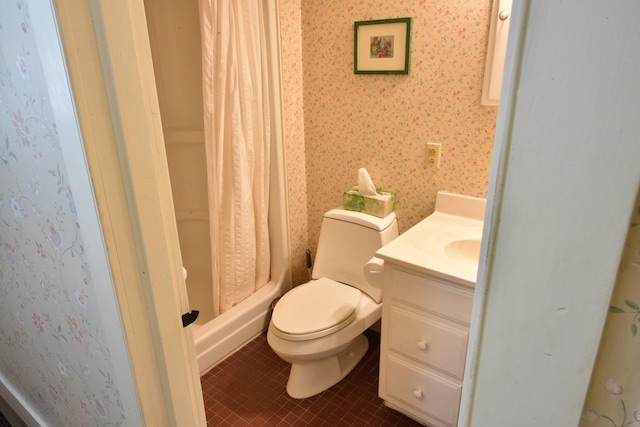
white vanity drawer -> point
(424, 391)
(427, 340)
(430, 295)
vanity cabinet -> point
(425, 329)
(428, 281)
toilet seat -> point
(315, 309)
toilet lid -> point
(315, 309)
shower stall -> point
(174, 32)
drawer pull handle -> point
(417, 394)
(422, 345)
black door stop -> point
(189, 318)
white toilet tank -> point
(348, 240)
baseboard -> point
(22, 412)
(8, 416)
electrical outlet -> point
(433, 154)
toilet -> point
(318, 326)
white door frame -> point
(564, 179)
(109, 60)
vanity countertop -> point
(446, 244)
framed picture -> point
(382, 46)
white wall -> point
(565, 176)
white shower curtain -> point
(237, 133)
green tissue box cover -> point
(379, 206)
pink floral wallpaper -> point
(613, 399)
(55, 352)
(292, 84)
(383, 122)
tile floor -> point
(248, 389)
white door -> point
(109, 61)
(564, 179)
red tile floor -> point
(248, 389)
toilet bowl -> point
(318, 326)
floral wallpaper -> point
(55, 349)
(613, 399)
(383, 122)
(292, 84)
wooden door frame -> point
(552, 244)
(109, 62)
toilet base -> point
(308, 378)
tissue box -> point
(379, 206)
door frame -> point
(560, 197)
(111, 74)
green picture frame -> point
(382, 46)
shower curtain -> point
(237, 140)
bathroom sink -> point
(464, 251)
(445, 244)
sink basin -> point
(445, 244)
(464, 250)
